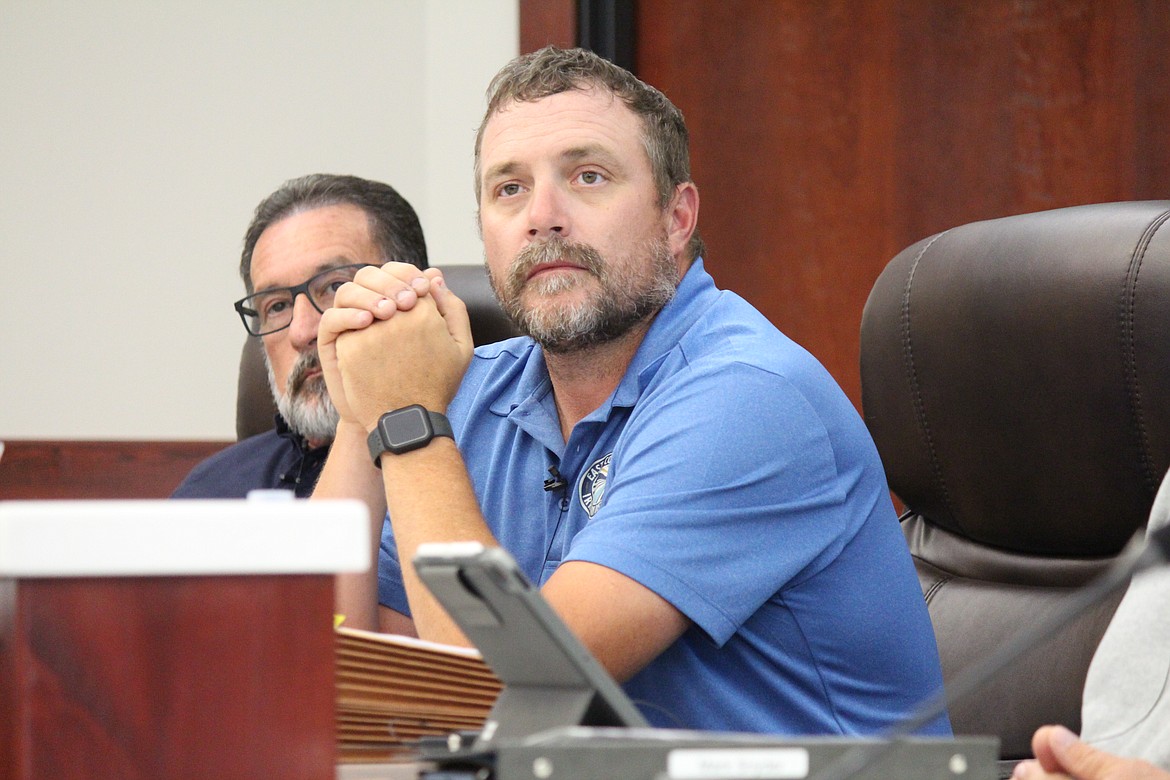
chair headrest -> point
(1016, 376)
(255, 407)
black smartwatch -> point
(406, 429)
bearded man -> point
(305, 240)
(695, 496)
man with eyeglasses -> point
(305, 240)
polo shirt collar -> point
(696, 293)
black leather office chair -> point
(1016, 378)
(254, 405)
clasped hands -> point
(395, 336)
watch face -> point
(406, 428)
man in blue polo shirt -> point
(696, 497)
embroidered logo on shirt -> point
(592, 487)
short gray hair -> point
(394, 227)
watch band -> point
(404, 430)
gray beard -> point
(305, 405)
(623, 299)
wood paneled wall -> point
(829, 135)
(98, 469)
(545, 22)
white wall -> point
(137, 136)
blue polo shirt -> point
(729, 474)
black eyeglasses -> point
(272, 310)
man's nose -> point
(303, 328)
(547, 212)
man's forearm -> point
(431, 499)
(349, 473)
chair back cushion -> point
(1016, 379)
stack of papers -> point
(392, 690)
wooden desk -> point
(171, 639)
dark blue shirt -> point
(276, 459)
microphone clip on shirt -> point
(554, 482)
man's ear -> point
(682, 217)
